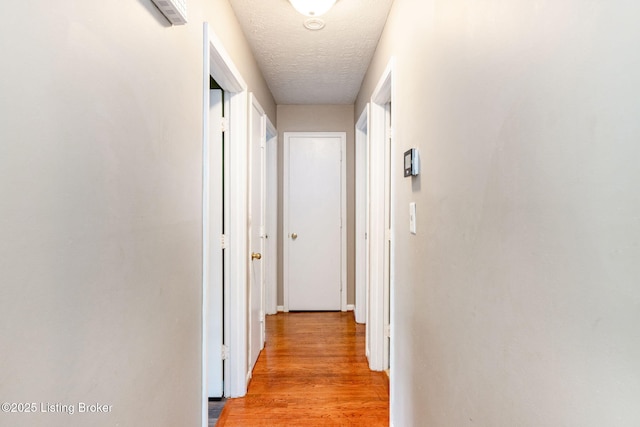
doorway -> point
(218, 65)
(362, 218)
(271, 221)
(381, 243)
(257, 144)
(314, 220)
(213, 228)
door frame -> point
(217, 64)
(271, 220)
(382, 246)
(362, 217)
(343, 213)
(256, 108)
(212, 253)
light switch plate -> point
(412, 217)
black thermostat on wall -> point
(411, 162)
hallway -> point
(312, 372)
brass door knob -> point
(294, 236)
(255, 255)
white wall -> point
(517, 303)
(100, 207)
(321, 118)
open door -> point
(217, 64)
(212, 247)
(381, 220)
(362, 219)
(257, 142)
(271, 221)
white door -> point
(362, 217)
(271, 221)
(212, 249)
(256, 226)
(387, 248)
(314, 210)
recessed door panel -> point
(314, 222)
(212, 248)
(256, 227)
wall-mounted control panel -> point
(411, 162)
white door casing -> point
(314, 208)
(211, 249)
(217, 64)
(362, 217)
(271, 220)
(257, 142)
(381, 244)
(382, 228)
(388, 217)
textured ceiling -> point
(313, 67)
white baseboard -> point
(350, 307)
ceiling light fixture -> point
(312, 7)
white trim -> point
(256, 108)
(205, 294)
(343, 229)
(221, 67)
(217, 64)
(380, 205)
(377, 240)
(236, 280)
(362, 230)
(280, 309)
(271, 222)
(350, 307)
(383, 92)
(212, 252)
(285, 223)
(382, 223)
(343, 202)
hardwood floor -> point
(312, 372)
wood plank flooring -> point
(312, 372)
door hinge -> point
(389, 133)
(262, 316)
(388, 234)
(387, 331)
(223, 241)
(366, 236)
(225, 352)
(224, 124)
